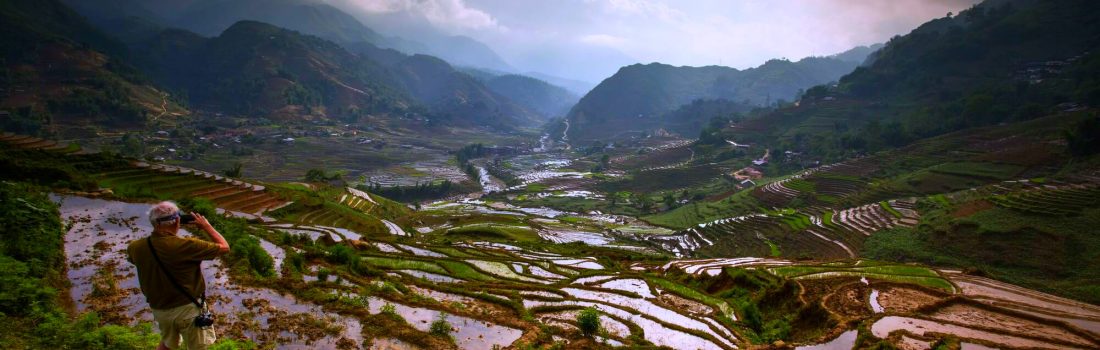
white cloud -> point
(448, 14)
(647, 8)
(602, 40)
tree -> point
(588, 320)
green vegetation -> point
(246, 253)
(655, 89)
(588, 320)
(440, 327)
(896, 273)
(404, 264)
(1058, 248)
(31, 267)
(886, 206)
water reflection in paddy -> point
(469, 333)
(845, 341)
(99, 233)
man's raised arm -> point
(223, 246)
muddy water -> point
(567, 236)
(970, 315)
(644, 306)
(431, 276)
(100, 231)
(391, 344)
(630, 285)
(983, 287)
(387, 248)
(469, 334)
(420, 251)
(875, 306)
(883, 327)
(277, 253)
(612, 326)
(654, 332)
(845, 341)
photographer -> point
(169, 271)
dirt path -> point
(163, 106)
(565, 135)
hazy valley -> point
(938, 191)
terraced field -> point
(826, 234)
(355, 269)
(176, 182)
(30, 142)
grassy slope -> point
(1060, 255)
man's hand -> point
(201, 221)
(217, 237)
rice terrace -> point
(460, 175)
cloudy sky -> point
(740, 34)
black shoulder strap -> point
(179, 288)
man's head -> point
(165, 216)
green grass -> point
(827, 219)
(453, 252)
(462, 270)
(797, 222)
(774, 248)
(932, 282)
(495, 231)
(940, 199)
(691, 293)
(800, 185)
(994, 171)
(801, 270)
(739, 203)
(886, 206)
(1051, 254)
(896, 273)
(405, 264)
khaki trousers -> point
(179, 322)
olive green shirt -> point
(182, 257)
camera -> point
(186, 219)
(204, 319)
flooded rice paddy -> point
(985, 313)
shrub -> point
(391, 311)
(21, 291)
(341, 254)
(750, 314)
(588, 320)
(440, 327)
(297, 261)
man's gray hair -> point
(163, 210)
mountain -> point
(212, 17)
(255, 68)
(61, 73)
(647, 91)
(858, 54)
(458, 97)
(458, 50)
(578, 87)
(1000, 61)
(538, 95)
